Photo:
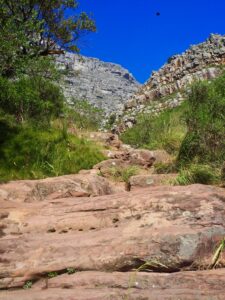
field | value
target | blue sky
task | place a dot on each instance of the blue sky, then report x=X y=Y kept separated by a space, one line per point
x=130 y=33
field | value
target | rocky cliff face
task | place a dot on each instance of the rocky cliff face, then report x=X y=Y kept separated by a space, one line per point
x=105 y=85
x=165 y=87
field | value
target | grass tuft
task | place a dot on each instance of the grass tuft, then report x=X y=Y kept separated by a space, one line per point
x=196 y=173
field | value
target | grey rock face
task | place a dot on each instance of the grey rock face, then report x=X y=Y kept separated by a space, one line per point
x=105 y=85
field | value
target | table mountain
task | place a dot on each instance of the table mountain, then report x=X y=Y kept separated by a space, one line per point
x=105 y=85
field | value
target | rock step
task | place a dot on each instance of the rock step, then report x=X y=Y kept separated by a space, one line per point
x=85 y=184
x=199 y=285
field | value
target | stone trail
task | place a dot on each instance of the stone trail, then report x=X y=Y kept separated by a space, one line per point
x=90 y=226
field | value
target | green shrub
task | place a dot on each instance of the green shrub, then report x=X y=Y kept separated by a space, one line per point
x=205 y=120
x=84 y=115
x=71 y=270
x=30 y=97
x=165 y=131
x=28 y=152
x=27 y=285
x=123 y=174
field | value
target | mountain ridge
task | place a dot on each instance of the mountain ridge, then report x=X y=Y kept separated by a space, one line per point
x=166 y=87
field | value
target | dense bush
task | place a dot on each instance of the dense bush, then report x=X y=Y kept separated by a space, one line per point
x=30 y=97
x=36 y=153
x=205 y=120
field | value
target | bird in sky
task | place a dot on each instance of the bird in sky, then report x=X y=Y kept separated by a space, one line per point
x=158 y=14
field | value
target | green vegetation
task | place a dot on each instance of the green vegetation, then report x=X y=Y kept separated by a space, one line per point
x=71 y=270
x=52 y=274
x=34 y=28
x=194 y=133
x=218 y=253
x=28 y=152
x=123 y=174
x=34 y=140
x=30 y=97
x=165 y=131
x=197 y=173
x=205 y=120
x=28 y=285
x=83 y=115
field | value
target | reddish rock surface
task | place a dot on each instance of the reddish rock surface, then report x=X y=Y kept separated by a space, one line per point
x=139 y=157
x=79 y=185
x=142 y=181
x=175 y=229
x=198 y=285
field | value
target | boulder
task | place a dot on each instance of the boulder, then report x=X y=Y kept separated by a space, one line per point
x=141 y=157
x=142 y=181
x=78 y=185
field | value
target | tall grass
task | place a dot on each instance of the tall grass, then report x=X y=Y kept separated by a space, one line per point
x=205 y=120
x=165 y=131
x=197 y=173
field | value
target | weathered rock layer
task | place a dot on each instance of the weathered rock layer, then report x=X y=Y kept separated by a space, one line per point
x=173 y=229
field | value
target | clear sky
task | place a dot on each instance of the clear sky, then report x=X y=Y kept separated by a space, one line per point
x=130 y=33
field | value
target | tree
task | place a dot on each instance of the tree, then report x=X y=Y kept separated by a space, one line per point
x=34 y=28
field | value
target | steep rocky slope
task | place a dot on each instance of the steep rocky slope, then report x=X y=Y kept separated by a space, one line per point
x=106 y=85
x=166 y=87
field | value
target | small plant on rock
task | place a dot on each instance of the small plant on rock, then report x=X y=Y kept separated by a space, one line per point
x=71 y=270
x=28 y=285
x=217 y=256
x=52 y=274
x=123 y=174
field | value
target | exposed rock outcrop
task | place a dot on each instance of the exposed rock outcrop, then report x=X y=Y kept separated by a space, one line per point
x=105 y=85
x=171 y=228
x=78 y=185
x=165 y=87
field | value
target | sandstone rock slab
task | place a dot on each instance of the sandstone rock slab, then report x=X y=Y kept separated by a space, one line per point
x=78 y=185
x=175 y=227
